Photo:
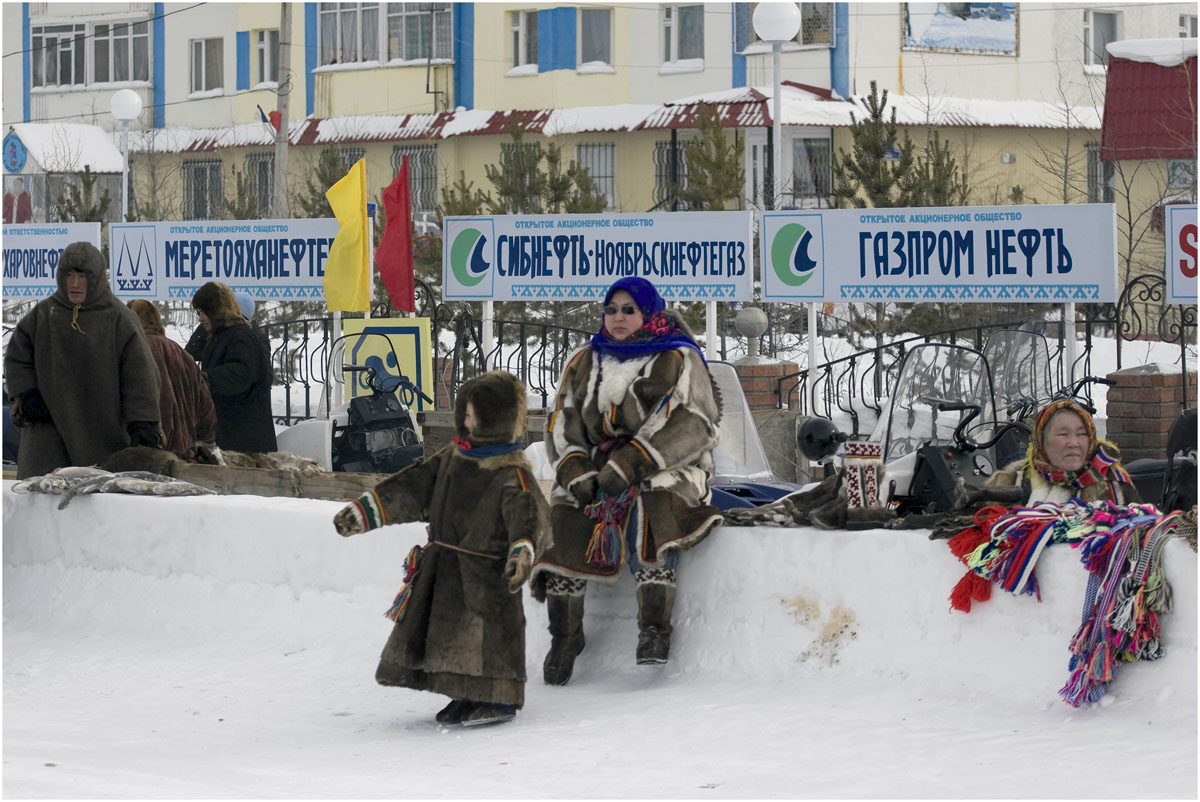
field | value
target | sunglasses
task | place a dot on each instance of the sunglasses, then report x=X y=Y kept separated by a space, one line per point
x=628 y=309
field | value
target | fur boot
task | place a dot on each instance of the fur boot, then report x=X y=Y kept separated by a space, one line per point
x=656 y=602
x=566 y=637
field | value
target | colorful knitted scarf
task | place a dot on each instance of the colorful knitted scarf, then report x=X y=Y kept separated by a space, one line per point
x=467 y=449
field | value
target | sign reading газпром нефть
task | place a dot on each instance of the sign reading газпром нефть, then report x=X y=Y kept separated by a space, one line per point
x=969 y=254
x=31 y=254
x=688 y=256
x=280 y=260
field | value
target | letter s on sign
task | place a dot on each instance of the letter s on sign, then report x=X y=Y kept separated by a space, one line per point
x=1187 y=244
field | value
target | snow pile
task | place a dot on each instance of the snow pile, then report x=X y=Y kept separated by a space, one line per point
x=225 y=646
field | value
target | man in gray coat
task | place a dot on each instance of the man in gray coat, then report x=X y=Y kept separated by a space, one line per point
x=80 y=374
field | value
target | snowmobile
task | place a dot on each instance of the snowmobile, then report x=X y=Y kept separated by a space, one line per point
x=364 y=421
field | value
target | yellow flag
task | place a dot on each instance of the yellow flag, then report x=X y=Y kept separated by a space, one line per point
x=347 y=271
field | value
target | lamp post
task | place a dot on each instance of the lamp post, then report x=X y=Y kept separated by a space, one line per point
x=778 y=23
x=126 y=106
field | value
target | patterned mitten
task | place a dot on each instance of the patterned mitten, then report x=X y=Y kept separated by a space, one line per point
x=361 y=515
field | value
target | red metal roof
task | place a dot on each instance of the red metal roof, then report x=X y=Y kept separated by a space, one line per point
x=1149 y=111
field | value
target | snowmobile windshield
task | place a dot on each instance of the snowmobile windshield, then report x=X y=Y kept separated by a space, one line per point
x=739 y=456
x=935 y=381
x=1021 y=374
x=346 y=375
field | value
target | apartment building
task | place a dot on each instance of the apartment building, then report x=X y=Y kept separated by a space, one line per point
x=1017 y=88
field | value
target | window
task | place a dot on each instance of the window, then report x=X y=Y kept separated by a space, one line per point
x=418 y=31
x=266 y=53
x=812 y=169
x=1099 y=28
x=663 y=184
x=1099 y=177
x=422 y=174
x=207 y=64
x=350 y=156
x=348 y=32
x=120 y=52
x=599 y=160
x=595 y=36
x=816 y=25
x=683 y=33
x=58 y=55
x=524 y=38
x=260 y=172
x=203 y=193
x=1187 y=26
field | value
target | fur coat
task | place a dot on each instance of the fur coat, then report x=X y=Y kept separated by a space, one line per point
x=238 y=369
x=92 y=366
x=463 y=631
x=664 y=410
x=1037 y=488
x=188 y=415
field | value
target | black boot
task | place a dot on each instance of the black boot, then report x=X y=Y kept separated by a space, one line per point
x=656 y=601
x=566 y=637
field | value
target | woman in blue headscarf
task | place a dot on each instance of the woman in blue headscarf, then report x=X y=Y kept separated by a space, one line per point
x=631 y=439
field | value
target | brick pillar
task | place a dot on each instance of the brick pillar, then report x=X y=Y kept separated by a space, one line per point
x=442 y=369
x=1141 y=408
x=760 y=384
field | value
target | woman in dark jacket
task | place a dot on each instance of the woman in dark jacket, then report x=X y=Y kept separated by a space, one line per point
x=237 y=371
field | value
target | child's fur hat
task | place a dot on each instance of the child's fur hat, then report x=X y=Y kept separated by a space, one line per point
x=498 y=399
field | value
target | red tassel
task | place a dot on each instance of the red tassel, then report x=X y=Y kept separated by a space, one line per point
x=967 y=541
x=972 y=587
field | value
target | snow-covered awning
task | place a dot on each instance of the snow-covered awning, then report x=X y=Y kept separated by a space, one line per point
x=68 y=148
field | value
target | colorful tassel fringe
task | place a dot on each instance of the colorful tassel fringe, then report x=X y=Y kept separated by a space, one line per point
x=607 y=545
x=400 y=604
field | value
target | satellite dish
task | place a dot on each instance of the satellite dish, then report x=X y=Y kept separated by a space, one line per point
x=819 y=439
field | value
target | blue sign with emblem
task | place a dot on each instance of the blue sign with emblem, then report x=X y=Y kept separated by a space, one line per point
x=14 y=153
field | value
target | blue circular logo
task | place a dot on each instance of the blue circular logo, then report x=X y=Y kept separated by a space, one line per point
x=14 y=153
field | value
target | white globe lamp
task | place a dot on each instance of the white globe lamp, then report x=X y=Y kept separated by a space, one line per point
x=125 y=105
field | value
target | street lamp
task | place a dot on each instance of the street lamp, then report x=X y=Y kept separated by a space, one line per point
x=778 y=23
x=126 y=106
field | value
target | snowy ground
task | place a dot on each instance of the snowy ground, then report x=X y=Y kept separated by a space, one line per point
x=224 y=647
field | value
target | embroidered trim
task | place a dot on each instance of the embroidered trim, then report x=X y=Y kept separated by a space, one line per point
x=559 y=585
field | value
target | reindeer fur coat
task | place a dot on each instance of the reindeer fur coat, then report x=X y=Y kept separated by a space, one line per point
x=664 y=411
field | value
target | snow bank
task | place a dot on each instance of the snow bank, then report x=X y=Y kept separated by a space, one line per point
x=764 y=602
x=152 y=644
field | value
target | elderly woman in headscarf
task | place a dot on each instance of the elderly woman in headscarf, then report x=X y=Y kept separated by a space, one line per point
x=189 y=420
x=1065 y=461
x=631 y=440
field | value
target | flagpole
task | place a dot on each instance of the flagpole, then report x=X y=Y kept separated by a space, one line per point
x=370 y=255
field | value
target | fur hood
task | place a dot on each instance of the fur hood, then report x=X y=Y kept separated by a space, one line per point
x=216 y=301
x=498 y=399
x=148 y=315
x=85 y=258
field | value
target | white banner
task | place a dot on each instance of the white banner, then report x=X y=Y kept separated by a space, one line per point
x=1181 y=253
x=970 y=254
x=279 y=260
x=688 y=256
x=31 y=252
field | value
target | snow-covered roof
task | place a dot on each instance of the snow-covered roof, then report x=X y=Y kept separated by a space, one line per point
x=742 y=107
x=1163 y=52
x=68 y=147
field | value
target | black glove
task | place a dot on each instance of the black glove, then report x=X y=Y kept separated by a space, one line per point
x=584 y=490
x=144 y=433
x=33 y=407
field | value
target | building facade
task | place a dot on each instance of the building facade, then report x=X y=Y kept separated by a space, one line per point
x=1016 y=88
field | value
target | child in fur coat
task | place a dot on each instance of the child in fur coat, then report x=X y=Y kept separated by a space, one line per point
x=460 y=622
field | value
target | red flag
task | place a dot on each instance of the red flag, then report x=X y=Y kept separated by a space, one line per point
x=394 y=257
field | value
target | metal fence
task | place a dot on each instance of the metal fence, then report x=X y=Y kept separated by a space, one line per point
x=537 y=352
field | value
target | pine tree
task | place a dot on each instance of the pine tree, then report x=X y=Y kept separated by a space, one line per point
x=79 y=204
x=715 y=157
x=244 y=205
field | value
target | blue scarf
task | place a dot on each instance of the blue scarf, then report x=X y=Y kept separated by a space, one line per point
x=466 y=449
x=642 y=343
